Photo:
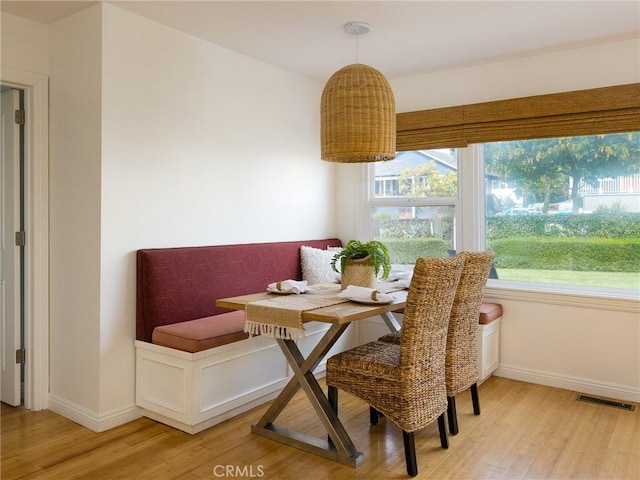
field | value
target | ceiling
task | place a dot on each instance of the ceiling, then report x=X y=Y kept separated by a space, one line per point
x=406 y=37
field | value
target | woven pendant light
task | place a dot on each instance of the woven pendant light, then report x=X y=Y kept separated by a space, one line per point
x=357 y=116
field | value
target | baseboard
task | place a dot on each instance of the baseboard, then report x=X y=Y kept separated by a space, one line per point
x=567 y=382
x=90 y=419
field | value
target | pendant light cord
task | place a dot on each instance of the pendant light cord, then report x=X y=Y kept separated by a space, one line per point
x=356 y=28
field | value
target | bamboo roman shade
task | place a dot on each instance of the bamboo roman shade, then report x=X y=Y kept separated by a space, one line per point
x=583 y=112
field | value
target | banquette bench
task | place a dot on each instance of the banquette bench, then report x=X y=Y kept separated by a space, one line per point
x=195 y=366
x=488 y=339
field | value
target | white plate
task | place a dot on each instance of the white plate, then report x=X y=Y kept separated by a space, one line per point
x=370 y=302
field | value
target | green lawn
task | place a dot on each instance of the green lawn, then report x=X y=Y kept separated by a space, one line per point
x=595 y=279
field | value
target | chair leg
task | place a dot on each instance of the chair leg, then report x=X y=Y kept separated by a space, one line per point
x=453 y=416
x=373 y=416
x=444 y=440
x=475 y=399
x=332 y=395
x=410 y=453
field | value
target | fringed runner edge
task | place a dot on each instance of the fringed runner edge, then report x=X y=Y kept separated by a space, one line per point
x=273 y=331
x=281 y=316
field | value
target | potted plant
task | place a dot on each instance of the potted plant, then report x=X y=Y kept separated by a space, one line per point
x=361 y=262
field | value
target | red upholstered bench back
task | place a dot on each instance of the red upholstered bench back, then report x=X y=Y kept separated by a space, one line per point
x=180 y=284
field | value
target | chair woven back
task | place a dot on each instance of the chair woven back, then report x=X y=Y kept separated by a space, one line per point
x=423 y=340
x=462 y=350
x=405 y=381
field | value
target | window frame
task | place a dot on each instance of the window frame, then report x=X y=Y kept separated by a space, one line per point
x=470 y=235
x=596 y=111
x=372 y=201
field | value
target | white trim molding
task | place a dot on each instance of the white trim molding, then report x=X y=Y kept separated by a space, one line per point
x=36 y=183
x=568 y=382
x=603 y=299
x=90 y=419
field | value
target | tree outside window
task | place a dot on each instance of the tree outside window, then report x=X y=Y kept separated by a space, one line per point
x=565 y=210
x=551 y=168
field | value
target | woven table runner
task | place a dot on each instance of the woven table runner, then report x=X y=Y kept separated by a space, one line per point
x=281 y=316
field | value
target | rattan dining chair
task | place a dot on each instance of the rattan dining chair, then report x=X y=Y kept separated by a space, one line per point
x=462 y=348
x=406 y=381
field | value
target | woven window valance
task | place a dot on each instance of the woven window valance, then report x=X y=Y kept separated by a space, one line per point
x=583 y=112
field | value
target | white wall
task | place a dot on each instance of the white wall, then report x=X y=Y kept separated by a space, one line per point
x=576 y=342
x=579 y=69
x=24 y=44
x=200 y=146
x=157 y=139
x=74 y=205
x=589 y=345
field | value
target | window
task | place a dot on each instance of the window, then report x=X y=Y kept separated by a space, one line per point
x=532 y=202
x=565 y=210
x=413 y=204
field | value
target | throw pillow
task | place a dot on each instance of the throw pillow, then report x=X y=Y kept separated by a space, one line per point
x=316 y=265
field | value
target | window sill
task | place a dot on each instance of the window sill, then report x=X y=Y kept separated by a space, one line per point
x=568 y=295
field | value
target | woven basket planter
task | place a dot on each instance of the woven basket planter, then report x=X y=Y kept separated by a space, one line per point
x=359 y=272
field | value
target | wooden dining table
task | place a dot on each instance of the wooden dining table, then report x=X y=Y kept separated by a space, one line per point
x=337 y=445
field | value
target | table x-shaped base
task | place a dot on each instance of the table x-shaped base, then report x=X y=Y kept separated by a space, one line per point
x=338 y=447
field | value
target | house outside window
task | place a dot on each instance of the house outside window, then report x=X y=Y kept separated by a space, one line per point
x=413 y=204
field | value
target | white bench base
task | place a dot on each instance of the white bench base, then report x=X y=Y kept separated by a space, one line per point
x=194 y=391
x=488 y=348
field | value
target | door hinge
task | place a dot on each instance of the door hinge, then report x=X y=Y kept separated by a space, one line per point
x=20 y=354
x=21 y=238
x=20 y=117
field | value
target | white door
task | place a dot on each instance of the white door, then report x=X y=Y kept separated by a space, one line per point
x=9 y=252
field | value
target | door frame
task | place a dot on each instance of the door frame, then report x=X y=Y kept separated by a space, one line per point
x=11 y=371
x=36 y=226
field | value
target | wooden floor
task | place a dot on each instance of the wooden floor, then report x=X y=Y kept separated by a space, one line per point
x=525 y=431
